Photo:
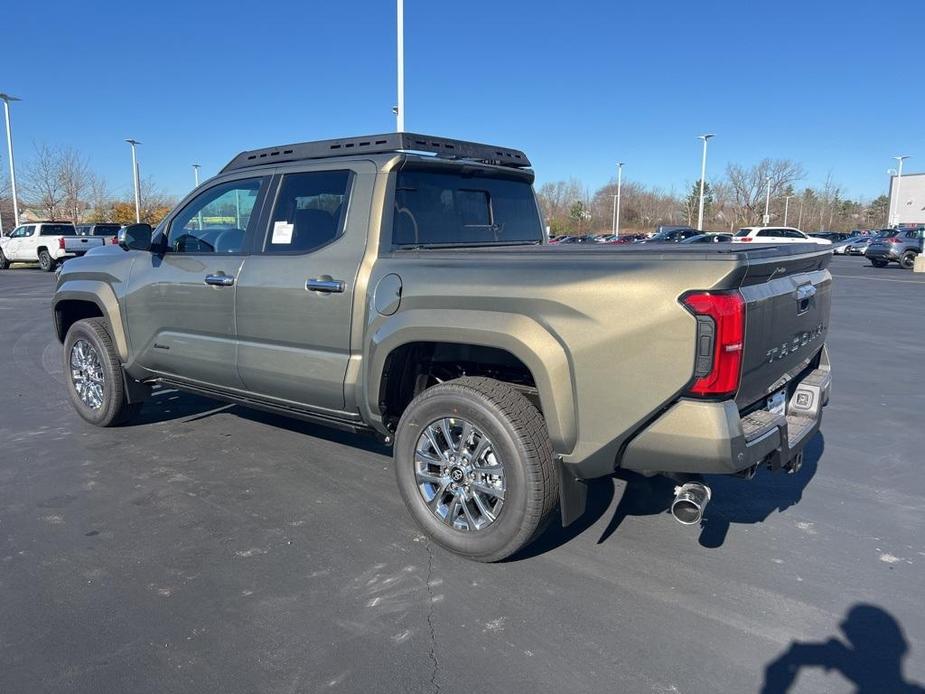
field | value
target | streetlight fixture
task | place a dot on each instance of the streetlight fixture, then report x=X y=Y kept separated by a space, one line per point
x=133 y=143
x=400 y=46
x=787 y=206
x=6 y=98
x=899 y=182
x=767 y=204
x=703 y=173
x=616 y=199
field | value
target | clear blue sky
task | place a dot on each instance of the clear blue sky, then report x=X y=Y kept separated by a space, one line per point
x=834 y=84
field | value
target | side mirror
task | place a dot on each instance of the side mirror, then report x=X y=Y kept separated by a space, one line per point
x=135 y=237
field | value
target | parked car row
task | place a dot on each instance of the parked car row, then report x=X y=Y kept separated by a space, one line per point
x=688 y=235
x=670 y=235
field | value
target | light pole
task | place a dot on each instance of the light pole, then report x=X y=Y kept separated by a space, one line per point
x=400 y=45
x=616 y=199
x=800 y=220
x=899 y=183
x=703 y=173
x=133 y=143
x=889 y=206
x=786 y=207
x=767 y=204
x=6 y=98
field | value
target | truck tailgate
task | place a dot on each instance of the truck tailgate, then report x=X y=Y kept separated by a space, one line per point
x=788 y=299
x=81 y=244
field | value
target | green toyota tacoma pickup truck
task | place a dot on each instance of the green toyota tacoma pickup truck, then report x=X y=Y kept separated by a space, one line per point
x=402 y=284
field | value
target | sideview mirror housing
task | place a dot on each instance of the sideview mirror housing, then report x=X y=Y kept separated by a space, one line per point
x=135 y=237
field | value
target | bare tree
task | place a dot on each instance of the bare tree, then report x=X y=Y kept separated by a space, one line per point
x=6 y=204
x=556 y=200
x=75 y=175
x=749 y=185
x=99 y=199
x=42 y=182
x=155 y=203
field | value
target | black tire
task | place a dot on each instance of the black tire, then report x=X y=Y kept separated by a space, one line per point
x=46 y=262
x=907 y=261
x=519 y=437
x=115 y=408
x=4 y=263
x=877 y=262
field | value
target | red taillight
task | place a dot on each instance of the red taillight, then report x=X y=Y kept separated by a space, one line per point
x=894 y=239
x=61 y=243
x=745 y=239
x=720 y=335
x=115 y=240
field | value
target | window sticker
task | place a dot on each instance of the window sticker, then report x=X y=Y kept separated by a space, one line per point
x=282 y=233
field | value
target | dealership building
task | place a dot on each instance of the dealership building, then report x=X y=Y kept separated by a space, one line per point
x=908 y=208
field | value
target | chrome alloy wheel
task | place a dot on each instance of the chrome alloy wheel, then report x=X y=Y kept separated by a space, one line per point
x=459 y=474
x=87 y=374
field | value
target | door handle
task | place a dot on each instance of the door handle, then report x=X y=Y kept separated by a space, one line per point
x=220 y=280
x=325 y=286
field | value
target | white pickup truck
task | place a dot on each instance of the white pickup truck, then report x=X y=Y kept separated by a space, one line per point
x=45 y=243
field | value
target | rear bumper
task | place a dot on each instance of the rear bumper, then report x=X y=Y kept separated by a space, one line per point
x=700 y=437
x=882 y=254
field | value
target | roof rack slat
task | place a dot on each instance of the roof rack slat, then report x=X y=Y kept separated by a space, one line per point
x=382 y=144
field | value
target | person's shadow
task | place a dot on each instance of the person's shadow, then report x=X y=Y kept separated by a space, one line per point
x=734 y=499
x=870 y=656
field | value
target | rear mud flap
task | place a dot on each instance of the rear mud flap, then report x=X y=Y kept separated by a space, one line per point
x=573 y=495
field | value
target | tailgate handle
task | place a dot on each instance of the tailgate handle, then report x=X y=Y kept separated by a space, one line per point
x=802 y=295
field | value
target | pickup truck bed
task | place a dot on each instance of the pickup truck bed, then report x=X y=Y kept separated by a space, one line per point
x=616 y=310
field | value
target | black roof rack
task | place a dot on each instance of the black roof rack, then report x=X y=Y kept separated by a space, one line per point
x=380 y=144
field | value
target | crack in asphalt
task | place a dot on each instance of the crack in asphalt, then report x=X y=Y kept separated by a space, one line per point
x=430 y=617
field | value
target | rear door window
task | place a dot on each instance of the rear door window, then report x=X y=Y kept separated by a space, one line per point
x=310 y=211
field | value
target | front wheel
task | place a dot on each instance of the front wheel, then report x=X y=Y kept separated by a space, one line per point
x=475 y=467
x=4 y=263
x=46 y=262
x=907 y=262
x=877 y=262
x=94 y=375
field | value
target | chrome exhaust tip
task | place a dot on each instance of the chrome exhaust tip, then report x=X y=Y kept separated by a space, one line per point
x=689 y=503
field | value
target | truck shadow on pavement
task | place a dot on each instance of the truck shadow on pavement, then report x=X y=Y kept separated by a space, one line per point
x=734 y=500
x=869 y=656
x=168 y=404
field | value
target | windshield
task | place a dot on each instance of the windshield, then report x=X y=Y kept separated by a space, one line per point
x=106 y=230
x=743 y=232
x=433 y=208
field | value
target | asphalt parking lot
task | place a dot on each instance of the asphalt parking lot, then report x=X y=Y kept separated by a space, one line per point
x=213 y=548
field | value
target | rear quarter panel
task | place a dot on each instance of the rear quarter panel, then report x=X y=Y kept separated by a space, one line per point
x=603 y=327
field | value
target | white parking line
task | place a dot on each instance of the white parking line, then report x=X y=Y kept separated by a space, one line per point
x=876 y=279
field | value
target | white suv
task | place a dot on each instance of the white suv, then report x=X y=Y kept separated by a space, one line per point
x=776 y=235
